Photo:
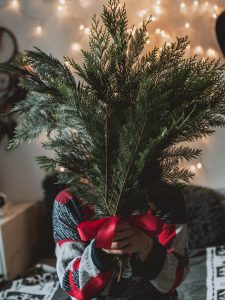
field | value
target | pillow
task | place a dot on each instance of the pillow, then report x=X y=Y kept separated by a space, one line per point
x=206 y=280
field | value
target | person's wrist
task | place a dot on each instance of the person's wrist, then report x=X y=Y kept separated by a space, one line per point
x=146 y=248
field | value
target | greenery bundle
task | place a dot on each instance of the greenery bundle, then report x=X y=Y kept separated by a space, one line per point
x=121 y=126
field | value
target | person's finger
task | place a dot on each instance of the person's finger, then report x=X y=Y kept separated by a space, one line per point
x=121 y=244
x=120 y=235
x=118 y=251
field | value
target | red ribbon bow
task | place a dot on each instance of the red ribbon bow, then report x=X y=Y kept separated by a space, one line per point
x=103 y=230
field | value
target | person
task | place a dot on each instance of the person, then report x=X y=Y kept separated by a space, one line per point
x=85 y=272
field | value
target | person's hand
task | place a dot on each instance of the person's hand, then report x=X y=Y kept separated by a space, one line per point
x=130 y=239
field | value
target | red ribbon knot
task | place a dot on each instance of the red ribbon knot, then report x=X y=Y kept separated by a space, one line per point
x=103 y=230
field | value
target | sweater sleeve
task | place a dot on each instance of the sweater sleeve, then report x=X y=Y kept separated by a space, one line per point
x=83 y=270
x=167 y=265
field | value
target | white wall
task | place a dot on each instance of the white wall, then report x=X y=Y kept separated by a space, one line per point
x=20 y=177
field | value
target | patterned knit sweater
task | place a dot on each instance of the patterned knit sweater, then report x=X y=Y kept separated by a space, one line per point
x=86 y=272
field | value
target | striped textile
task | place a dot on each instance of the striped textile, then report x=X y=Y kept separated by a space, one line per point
x=86 y=272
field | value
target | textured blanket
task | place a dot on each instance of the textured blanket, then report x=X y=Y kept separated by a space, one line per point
x=41 y=283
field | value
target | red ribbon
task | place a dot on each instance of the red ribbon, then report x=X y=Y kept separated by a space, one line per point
x=103 y=230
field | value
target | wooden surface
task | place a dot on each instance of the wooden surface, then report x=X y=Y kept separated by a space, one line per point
x=18 y=237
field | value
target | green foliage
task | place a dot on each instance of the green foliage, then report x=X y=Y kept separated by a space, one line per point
x=120 y=126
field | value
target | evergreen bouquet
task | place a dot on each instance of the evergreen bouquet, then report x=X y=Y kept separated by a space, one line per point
x=121 y=126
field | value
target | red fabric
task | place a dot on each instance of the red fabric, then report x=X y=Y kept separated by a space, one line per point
x=76 y=264
x=92 y=287
x=87 y=210
x=167 y=235
x=104 y=229
x=63 y=197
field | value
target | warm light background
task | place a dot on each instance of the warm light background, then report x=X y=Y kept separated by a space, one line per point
x=61 y=27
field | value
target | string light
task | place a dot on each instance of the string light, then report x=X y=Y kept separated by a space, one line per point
x=193 y=168
x=214 y=15
x=75 y=46
x=196 y=3
x=199 y=165
x=62 y=169
x=81 y=27
x=157 y=9
x=87 y=30
x=198 y=50
x=61 y=6
x=38 y=30
x=158 y=30
x=15 y=4
x=187 y=25
x=142 y=12
x=211 y=52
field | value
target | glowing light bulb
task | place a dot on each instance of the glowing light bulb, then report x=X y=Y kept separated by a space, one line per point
x=182 y=5
x=148 y=42
x=214 y=15
x=196 y=3
x=199 y=165
x=188 y=47
x=158 y=2
x=61 y=8
x=193 y=168
x=153 y=18
x=38 y=30
x=158 y=30
x=62 y=169
x=187 y=25
x=75 y=46
x=87 y=30
x=15 y=4
x=163 y=34
x=142 y=12
x=81 y=27
x=157 y=9
x=211 y=52
x=215 y=7
x=206 y=3
x=198 y=50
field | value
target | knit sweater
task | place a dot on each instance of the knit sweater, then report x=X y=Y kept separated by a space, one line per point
x=86 y=272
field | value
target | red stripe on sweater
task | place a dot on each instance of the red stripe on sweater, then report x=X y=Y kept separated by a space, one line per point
x=179 y=271
x=63 y=197
x=76 y=264
x=178 y=278
x=60 y=242
x=167 y=235
x=91 y=288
